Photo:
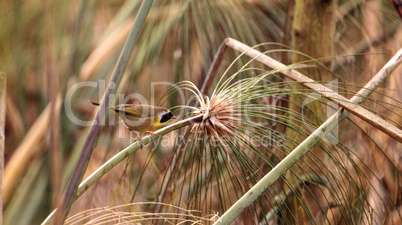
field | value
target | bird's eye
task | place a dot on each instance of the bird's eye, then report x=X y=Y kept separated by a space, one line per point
x=166 y=117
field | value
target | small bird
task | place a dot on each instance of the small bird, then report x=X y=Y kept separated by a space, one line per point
x=141 y=118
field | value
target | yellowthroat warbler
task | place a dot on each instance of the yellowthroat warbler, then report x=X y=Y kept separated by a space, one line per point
x=141 y=118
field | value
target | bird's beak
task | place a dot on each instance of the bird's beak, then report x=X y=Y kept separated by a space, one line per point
x=174 y=117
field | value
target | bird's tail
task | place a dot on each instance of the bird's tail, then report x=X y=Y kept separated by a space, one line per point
x=94 y=102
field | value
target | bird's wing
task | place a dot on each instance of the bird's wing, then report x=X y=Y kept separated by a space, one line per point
x=129 y=109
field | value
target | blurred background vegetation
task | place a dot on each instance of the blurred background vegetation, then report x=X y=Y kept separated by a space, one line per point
x=48 y=46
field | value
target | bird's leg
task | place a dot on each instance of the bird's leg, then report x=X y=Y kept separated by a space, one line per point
x=139 y=138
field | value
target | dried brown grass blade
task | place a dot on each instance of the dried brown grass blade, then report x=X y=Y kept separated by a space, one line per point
x=105 y=49
x=349 y=105
x=3 y=80
x=29 y=148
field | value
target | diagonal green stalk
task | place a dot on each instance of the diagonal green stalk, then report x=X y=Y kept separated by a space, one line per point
x=249 y=197
x=116 y=159
x=91 y=179
x=102 y=112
